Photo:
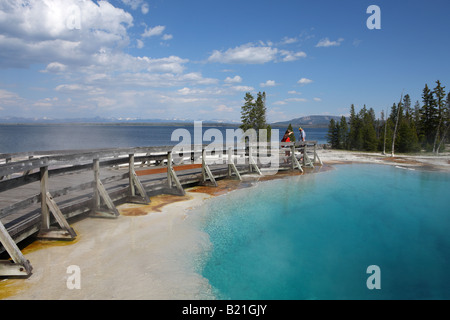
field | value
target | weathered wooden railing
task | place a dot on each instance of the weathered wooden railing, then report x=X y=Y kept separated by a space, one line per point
x=30 y=182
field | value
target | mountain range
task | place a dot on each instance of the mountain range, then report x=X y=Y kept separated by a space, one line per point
x=308 y=121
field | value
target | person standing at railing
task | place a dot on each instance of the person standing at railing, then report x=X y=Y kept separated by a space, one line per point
x=302 y=134
x=286 y=138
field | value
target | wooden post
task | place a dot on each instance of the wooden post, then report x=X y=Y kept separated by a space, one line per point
x=295 y=162
x=232 y=166
x=249 y=159
x=252 y=162
x=172 y=177
x=45 y=222
x=316 y=156
x=306 y=160
x=19 y=266
x=135 y=183
x=100 y=194
x=48 y=205
x=206 y=171
x=131 y=171
x=169 y=168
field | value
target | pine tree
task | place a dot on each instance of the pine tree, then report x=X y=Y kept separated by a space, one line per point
x=253 y=113
x=354 y=135
x=428 y=118
x=439 y=92
x=369 y=136
x=292 y=135
x=333 y=134
x=447 y=123
x=343 y=133
x=247 y=112
x=260 y=112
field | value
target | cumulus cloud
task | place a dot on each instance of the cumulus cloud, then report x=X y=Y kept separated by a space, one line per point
x=292 y=56
x=327 y=43
x=55 y=67
x=223 y=108
x=286 y=101
x=304 y=81
x=66 y=31
x=155 y=31
x=251 y=53
x=245 y=54
x=235 y=79
x=144 y=8
x=268 y=83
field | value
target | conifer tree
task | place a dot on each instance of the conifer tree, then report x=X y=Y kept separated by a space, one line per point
x=355 y=138
x=247 y=112
x=447 y=122
x=367 y=130
x=253 y=112
x=260 y=112
x=292 y=135
x=439 y=93
x=342 y=131
x=428 y=117
x=333 y=134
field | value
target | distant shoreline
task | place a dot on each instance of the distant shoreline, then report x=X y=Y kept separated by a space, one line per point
x=150 y=124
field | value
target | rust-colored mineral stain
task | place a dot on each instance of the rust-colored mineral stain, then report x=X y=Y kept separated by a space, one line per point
x=223 y=187
x=10 y=286
x=402 y=160
x=44 y=244
x=156 y=205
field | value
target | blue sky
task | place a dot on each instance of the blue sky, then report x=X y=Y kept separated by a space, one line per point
x=196 y=59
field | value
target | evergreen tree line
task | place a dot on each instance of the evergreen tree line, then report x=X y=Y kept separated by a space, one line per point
x=424 y=126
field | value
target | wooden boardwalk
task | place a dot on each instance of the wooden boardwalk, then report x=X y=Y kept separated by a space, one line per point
x=40 y=193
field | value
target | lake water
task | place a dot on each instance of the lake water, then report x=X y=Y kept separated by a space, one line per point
x=314 y=236
x=23 y=138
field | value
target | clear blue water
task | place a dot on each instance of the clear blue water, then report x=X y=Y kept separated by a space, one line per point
x=313 y=236
x=23 y=138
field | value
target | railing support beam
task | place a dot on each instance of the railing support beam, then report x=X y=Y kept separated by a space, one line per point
x=48 y=205
x=135 y=183
x=100 y=194
x=19 y=265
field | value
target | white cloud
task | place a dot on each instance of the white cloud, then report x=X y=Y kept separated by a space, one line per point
x=155 y=31
x=255 y=54
x=304 y=81
x=172 y=64
x=294 y=92
x=135 y=4
x=223 y=108
x=167 y=37
x=235 y=79
x=287 y=40
x=317 y=99
x=144 y=8
x=7 y=95
x=245 y=54
x=139 y=44
x=55 y=67
x=268 y=83
x=292 y=56
x=327 y=43
x=243 y=88
x=286 y=101
x=66 y=31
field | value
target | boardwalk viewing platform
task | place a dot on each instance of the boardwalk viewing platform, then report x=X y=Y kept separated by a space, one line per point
x=40 y=192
